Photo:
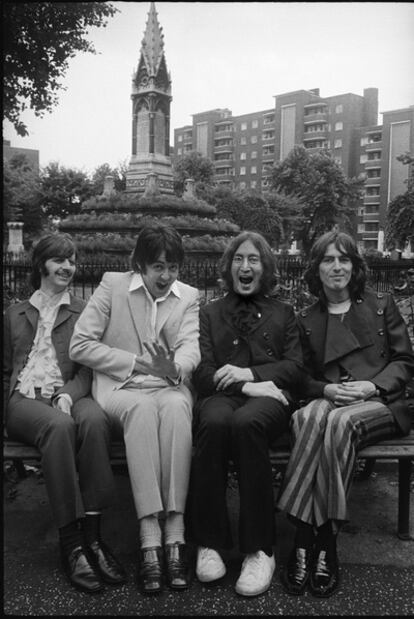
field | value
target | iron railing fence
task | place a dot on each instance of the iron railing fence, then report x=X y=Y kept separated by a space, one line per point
x=383 y=275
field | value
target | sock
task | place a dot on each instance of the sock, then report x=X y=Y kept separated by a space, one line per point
x=304 y=536
x=92 y=526
x=326 y=539
x=174 y=528
x=70 y=536
x=149 y=531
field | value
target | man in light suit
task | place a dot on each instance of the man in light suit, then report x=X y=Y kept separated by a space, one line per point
x=139 y=333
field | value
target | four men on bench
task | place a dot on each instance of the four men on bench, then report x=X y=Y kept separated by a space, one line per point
x=139 y=334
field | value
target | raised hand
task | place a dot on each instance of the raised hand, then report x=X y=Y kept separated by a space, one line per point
x=162 y=361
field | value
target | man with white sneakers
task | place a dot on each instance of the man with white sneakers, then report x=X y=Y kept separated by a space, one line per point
x=250 y=357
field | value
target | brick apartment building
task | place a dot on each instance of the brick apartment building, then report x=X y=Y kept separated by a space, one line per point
x=244 y=148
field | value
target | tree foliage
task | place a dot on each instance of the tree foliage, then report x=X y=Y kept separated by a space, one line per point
x=327 y=196
x=250 y=211
x=22 y=195
x=104 y=170
x=64 y=190
x=38 y=40
x=200 y=169
x=399 y=229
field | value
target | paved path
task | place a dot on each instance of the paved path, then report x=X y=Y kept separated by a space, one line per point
x=377 y=569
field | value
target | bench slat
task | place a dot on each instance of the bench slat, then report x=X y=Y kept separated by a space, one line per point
x=389 y=449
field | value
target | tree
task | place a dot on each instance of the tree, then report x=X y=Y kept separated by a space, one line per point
x=38 y=40
x=200 y=169
x=399 y=229
x=104 y=170
x=64 y=190
x=22 y=196
x=250 y=211
x=327 y=196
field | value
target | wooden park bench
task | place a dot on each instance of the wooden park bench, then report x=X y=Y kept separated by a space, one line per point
x=400 y=449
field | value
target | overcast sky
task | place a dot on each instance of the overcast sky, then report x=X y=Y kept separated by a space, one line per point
x=224 y=55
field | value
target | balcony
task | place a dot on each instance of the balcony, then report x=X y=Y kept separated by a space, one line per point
x=222 y=131
x=310 y=119
x=371 y=200
x=224 y=163
x=368 y=217
x=315 y=135
x=372 y=146
x=373 y=182
x=225 y=148
x=268 y=136
x=373 y=163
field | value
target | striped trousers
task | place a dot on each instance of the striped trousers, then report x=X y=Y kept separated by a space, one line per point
x=321 y=466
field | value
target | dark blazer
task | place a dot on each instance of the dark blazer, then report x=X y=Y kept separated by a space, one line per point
x=20 y=325
x=373 y=344
x=271 y=350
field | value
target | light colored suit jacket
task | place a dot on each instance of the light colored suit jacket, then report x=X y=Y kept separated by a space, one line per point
x=114 y=325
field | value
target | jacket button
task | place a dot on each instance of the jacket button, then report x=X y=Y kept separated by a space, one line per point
x=303 y=314
x=269 y=352
x=259 y=315
x=235 y=342
x=382 y=353
x=308 y=331
x=381 y=332
x=379 y=295
x=380 y=312
x=359 y=300
x=266 y=336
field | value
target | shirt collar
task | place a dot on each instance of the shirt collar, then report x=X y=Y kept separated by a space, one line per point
x=137 y=282
x=40 y=300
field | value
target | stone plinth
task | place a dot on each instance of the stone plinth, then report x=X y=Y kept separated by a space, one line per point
x=15 y=245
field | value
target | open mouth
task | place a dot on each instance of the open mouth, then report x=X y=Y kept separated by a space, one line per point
x=245 y=280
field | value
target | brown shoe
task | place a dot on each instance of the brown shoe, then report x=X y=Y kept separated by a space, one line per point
x=178 y=576
x=150 y=570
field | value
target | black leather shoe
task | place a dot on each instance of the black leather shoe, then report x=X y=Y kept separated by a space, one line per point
x=150 y=569
x=177 y=566
x=80 y=571
x=296 y=573
x=105 y=563
x=324 y=576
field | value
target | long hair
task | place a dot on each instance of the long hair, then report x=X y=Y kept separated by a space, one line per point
x=152 y=241
x=49 y=246
x=268 y=279
x=346 y=245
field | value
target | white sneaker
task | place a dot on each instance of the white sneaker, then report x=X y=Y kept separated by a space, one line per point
x=256 y=574
x=209 y=565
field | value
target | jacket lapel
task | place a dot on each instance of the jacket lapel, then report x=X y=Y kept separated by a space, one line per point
x=164 y=312
x=139 y=315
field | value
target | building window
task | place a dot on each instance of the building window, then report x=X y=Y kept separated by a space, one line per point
x=255 y=124
x=339 y=109
x=253 y=139
x=253 y=184
x=180 y=138
x=243 y=141
x=242 y=185
x=254 y=154
x=180 y=151
x=268 y=150
x=242 y=171
x=253 y=169
x=371 y=226
x=338 y=160
x=364 y=141
x=243 y=127
x=243 y=156
x=339 y=126
x=338 y=144
x=363 y=159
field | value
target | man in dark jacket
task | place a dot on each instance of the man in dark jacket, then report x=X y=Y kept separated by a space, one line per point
x=48 y=405
x=250 y=360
